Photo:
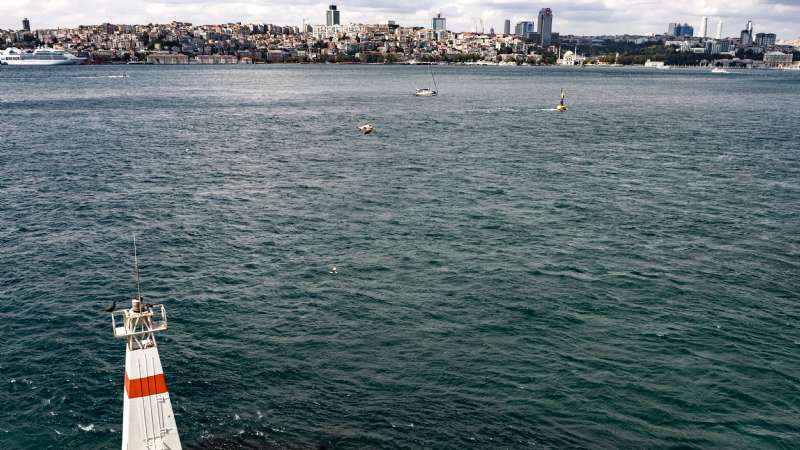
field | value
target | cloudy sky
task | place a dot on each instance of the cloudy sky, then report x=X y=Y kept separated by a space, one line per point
x=571 y=16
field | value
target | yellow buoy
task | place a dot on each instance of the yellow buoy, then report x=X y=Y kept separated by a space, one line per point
x=561 y=106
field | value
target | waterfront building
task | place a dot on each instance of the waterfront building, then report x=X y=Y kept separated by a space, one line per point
x=714 y=47
x=655 y=64
x=777 y=59
x=570 y=58
x=332 y=16
x=26 y=24
x=704 y=27
x=167 y=58
x=545 y=26
x=507 y=27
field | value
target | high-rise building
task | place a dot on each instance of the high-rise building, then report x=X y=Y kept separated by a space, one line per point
x=765 y=39
x=676 y=29
x=523 y=29
x=745 y=39
x=439 y=23
x=719 y=28
x=672 y=29
x=704 y=27
x=332 y=16
x=26 y=24
x=545 y=25
x=507 y=27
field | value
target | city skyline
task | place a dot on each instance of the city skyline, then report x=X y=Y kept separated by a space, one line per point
x=590 y=18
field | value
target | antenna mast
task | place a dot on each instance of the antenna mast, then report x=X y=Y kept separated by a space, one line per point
x=136 y=268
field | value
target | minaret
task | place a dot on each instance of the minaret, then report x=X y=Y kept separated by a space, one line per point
x=147 y=419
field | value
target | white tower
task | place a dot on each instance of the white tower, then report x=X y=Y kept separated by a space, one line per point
x=704 y=27
x=719 y=28
x=147 y=419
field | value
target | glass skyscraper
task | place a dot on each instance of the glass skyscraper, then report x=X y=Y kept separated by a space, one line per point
x=439 y=23
x=545 y=25
x=332 y=16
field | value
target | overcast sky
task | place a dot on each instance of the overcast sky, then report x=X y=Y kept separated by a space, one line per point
x=570 y=16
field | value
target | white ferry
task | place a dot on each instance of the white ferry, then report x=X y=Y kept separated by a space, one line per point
x=39 y=57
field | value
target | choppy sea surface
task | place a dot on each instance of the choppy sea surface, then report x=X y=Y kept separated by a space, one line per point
x=623 y=275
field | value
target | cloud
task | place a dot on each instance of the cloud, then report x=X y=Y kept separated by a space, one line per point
x=570 y=16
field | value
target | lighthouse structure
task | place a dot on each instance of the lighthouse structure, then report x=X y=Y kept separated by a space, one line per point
x=148 y=422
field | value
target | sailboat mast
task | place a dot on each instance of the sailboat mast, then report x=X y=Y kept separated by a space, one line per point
x=434 y=78
x=136 y=268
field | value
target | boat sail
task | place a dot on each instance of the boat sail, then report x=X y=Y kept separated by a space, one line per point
x=427 y=92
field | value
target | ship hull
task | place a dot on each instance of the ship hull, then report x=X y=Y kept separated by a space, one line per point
x=43 y=62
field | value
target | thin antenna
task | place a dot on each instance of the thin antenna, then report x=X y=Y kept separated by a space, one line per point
x=136 y=268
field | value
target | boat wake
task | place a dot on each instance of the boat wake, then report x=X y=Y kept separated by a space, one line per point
x=101 y=76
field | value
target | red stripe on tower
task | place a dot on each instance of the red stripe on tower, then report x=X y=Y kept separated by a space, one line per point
x=143 y=387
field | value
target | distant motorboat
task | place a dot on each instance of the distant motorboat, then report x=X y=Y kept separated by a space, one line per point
x=719 y=70
x=427 y=92
x=366 y=129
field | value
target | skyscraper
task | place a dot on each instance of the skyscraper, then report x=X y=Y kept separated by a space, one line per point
x=523 y=29
x=672 y=29
x=704 y=27
x=332 y=16
x=545 y=25
x=745 y=39
x=507 y=27
x=719 y=28
x=678 y=30
x=26 y=24
x=439 y=23
x=765 y=39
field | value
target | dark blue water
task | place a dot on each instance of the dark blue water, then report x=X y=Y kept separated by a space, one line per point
x=624 y=275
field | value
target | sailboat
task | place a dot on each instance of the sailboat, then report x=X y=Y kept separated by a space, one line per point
x=561 y=106
x=427 y=92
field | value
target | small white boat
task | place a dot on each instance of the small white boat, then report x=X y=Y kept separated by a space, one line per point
x=719 y=70
x=427 y=92
x=366 y=129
